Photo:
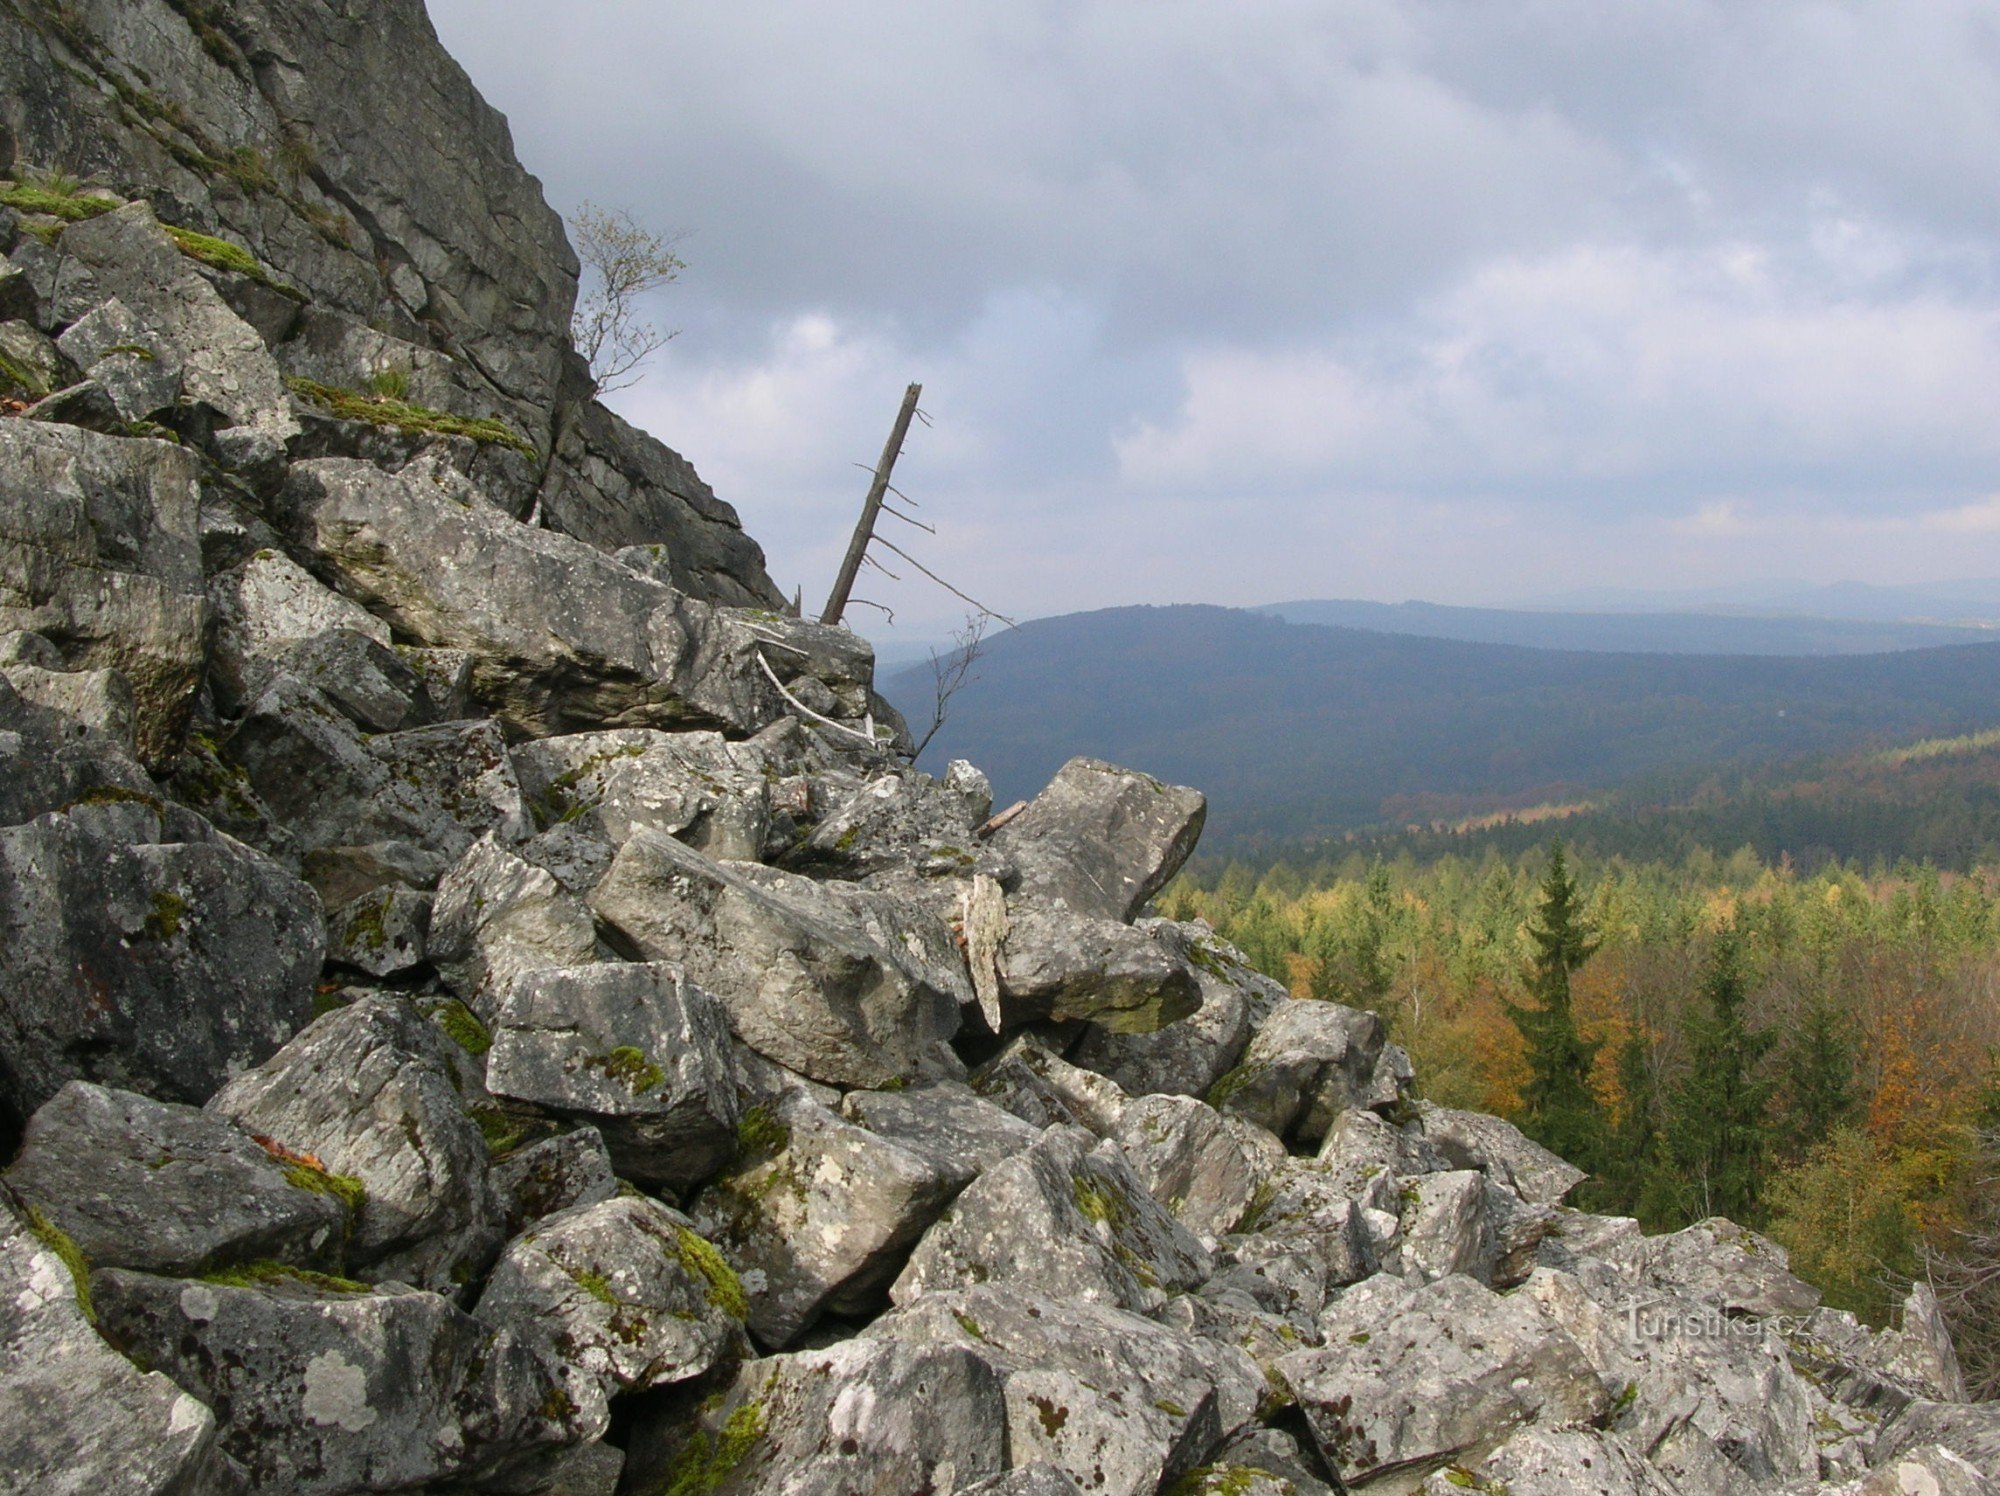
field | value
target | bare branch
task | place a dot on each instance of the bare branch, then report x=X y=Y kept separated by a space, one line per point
x=984 y=610
x=951 y=673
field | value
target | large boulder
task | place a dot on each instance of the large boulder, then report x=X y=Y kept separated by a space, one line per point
x=621 y=1296
x=947 y=1122
x=564 y=638
x=170 y=1189
x=1119 y=1403
x=1506 y=1155
x=1411 y=1377
x=327 y=1389
x=77 y=1418
x=1210 y=1171
x=843 y=986
x=1066 y=1218
x=1717 y=1262
x=1101 y=839
x=48 y=759
x=1537 y=1459
x=98 y=555
x=369 y=1093
x=1309 y=1062
x=1188 y=1056
x=818 y=1215
x=498 y=918
x=1058 y=965
x=161 y=967
x=864 y=1415
x=635 y=1049
x=710 y=793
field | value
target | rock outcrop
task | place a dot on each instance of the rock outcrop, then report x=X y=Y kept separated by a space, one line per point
x=464 y=1027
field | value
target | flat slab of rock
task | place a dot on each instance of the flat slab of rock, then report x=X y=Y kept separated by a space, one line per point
x=818 y=1215
x=1580 y=1460
x=622 y=1295
x=1103 y=839
x=1717 y=1262
x=332 y=1391
x=1410 y=1376
x=948 y=1122
x=635 y=1049
x=851 y=990
x=1207 y=1169
x=367 y=1090
x=77 y=1418
x=169 y=1189
x=1118 y=1403
x=1065 y=1218
x=564 y=638
x=159 y=967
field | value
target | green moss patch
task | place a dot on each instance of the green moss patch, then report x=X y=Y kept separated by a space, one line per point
x=345 y=1188
x=54 y=201
x=220 y=254
x=759 y=1135
x=725 y=1289
x=383 y=410
x=707 y=1460
x=267 y=1274
x=164 y=922
x=60 y=1242
x=629 y=1066
x=462 y=1026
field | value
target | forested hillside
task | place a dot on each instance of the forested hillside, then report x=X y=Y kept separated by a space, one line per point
x=1297 y=730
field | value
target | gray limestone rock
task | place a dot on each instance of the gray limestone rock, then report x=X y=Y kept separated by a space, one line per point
x=157 y=967
x=898 y=819
x=1304 y=1210
x=570 y=1169
x=1412 y=1376
x=1584 y=1461
x=1472 y=1140
x=76 y=1418
x=848 y=988
x=1717 y=1262
x=620 y=1296
x=100 y=702
x=268 y=602
x=440 y=787
x=368 y=1091
x=1191 y=1054
x=330 y=1390
x=1066 y=1218
x=1969 y=1430
x=1207 y=1169
x=98 y=555
x=49 y=760
x=1059 y=965
x=637 y=1050
x=169 y=1189
x=1030 y=1078
x=818 y=1215
x=563 y=637
x=1117 y=1402
x=948 y=1122
x=223 y=363
x=1727 y=1380
x=1102 y=839
x=498 y=918
x=696 y=786
x=381 y=933
x=139 y=371
x=1309 y=1062
x=861 y=1416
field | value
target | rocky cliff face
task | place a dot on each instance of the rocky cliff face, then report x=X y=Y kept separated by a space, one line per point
x=485 y=1006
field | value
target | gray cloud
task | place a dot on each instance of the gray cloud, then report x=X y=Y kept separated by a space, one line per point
x=1228 y=301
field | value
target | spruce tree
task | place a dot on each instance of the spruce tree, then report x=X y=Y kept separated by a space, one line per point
x=1559 y=1109
x=1718 y=1113
x=1819 y=1075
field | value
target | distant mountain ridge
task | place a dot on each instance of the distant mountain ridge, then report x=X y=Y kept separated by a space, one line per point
x=1707 y=633
x=1305 y=729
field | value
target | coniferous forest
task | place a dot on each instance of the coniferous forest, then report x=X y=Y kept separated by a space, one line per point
x=1813 y=1054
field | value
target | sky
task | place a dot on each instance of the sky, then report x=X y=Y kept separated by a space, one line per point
x=1237 y=301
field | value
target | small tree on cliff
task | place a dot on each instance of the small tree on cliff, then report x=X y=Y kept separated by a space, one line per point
x=1559 y=1109
x=621 y=261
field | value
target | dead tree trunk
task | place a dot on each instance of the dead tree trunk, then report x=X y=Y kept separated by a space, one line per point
x=864 y=530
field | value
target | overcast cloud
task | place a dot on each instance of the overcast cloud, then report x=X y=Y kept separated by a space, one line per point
x=1245 y=300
